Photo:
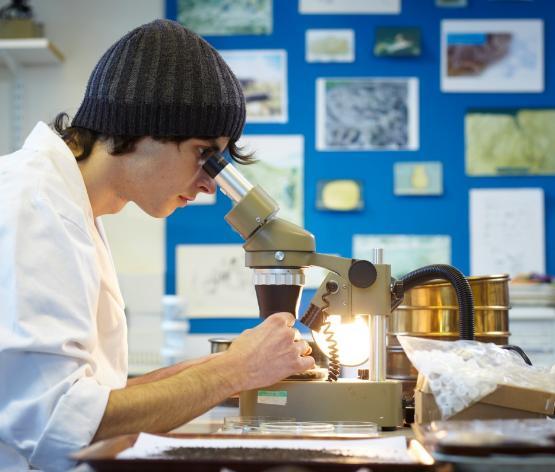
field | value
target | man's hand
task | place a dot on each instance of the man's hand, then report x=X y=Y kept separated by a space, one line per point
x=258 y=357
x=269 y=352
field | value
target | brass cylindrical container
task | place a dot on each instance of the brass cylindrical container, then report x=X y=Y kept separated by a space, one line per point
x=431 y=311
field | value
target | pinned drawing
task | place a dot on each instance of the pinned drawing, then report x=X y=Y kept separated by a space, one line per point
x=263 y=76
x=404 y=252
x=366 y=114
x=510 y=142
x=214 y=280
x=339 y=195
x=234 y=17
x=418 y=178
x=279 y=171
x=350 y=7
x=330 y=45
x=492 y=56
x=395 y=41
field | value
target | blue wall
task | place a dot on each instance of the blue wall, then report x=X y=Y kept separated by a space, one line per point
x=441 y=136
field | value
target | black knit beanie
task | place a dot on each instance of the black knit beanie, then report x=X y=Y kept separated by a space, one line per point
x=162 y=80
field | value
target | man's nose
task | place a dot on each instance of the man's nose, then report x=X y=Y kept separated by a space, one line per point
x=206 y=183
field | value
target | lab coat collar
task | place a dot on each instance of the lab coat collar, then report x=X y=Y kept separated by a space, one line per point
x=44 y=139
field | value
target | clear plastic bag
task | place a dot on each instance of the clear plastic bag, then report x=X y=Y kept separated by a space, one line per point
x=460 y=373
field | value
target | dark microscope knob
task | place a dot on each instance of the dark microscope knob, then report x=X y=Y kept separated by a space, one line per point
x=362 y=274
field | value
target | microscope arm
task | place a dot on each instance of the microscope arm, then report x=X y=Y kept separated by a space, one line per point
x=280 y=250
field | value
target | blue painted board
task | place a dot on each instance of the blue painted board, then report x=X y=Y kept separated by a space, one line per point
x=441 y=136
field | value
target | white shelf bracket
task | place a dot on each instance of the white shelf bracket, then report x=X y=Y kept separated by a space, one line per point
x=17 y=100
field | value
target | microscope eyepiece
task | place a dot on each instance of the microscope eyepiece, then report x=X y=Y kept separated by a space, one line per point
x=230 y=180
x=215 y=165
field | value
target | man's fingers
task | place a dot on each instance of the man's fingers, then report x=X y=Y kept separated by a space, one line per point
x=303 y=347
x=306 y=362
x=288 y=318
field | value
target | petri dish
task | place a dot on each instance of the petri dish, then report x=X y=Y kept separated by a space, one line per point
x=296 y=428
x=355 y=428
x=248 y=424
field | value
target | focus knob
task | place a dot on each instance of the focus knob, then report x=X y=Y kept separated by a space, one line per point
x=362 y=274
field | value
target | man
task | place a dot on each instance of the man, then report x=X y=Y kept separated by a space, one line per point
x=159 y=102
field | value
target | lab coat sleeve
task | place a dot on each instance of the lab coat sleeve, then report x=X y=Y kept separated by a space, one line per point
x=50 y=402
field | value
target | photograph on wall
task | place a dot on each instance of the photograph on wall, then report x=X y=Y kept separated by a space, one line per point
x=510 y=142
x=452 y=3
x=418 y=178
x=367 y=114
x=349 y=7
x=263 y=76
x=234 y=17
x=279 y=171
x=214 y=282
x=492 y=56
x=339 y=195
x=397 y=41
x=404 y=252
x=330 y=45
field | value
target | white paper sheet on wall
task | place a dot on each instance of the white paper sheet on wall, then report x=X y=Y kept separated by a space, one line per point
x=213 y=280
x=350 y=7
x=507 y=231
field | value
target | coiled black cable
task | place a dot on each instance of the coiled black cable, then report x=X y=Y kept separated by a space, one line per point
x=334 y=366
x=462 y=288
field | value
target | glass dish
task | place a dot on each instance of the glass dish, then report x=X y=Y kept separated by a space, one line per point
x=296 y=428
x=355 y=428
x=248 y=424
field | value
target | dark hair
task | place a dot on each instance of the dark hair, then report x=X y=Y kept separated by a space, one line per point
x=83 y=139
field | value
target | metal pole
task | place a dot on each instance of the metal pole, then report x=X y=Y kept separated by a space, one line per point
x=377 y=325
x=376 y=360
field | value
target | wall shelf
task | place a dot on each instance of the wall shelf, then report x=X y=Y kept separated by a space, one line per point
x=30 y=51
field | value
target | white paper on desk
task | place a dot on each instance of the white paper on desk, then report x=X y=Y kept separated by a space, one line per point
x=392 y=449
x=507 y=231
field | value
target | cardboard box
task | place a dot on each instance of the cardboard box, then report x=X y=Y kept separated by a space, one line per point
x=504 y=402
x=20 y=28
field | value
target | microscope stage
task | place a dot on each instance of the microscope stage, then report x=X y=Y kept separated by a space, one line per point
x=319 y=400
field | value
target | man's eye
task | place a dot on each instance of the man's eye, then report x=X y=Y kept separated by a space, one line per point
x=204 y=154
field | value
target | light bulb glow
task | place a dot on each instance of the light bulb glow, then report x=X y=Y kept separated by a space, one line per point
x=353 y=340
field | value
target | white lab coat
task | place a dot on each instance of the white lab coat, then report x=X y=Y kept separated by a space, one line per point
x=63 y=335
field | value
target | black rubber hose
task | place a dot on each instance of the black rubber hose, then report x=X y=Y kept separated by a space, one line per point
x=519 y=351
x=462 y=288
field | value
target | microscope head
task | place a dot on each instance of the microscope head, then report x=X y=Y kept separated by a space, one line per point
x=272 y=245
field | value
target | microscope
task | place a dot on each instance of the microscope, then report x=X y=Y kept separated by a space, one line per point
x=347 y=315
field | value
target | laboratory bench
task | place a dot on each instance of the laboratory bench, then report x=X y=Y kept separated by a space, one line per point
x=103 y=458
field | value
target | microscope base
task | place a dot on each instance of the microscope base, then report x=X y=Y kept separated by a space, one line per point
x=319 y=400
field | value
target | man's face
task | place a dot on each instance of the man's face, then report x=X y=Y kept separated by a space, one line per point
x=164 y=176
